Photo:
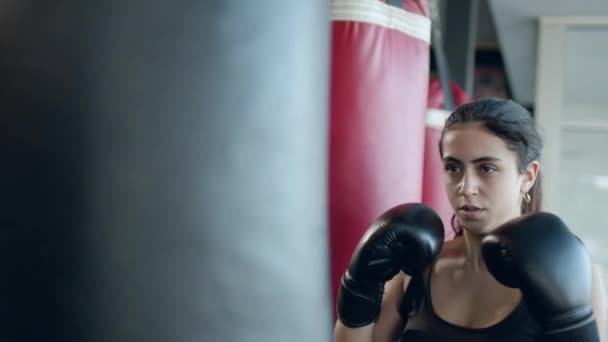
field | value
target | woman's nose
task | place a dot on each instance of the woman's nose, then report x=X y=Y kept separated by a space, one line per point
x=469 y=184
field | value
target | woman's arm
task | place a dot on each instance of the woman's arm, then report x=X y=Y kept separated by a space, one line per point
x=388 y=325
x=599 y=301
x=343 y=333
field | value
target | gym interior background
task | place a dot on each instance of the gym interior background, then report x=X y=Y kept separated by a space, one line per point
x=548 y=56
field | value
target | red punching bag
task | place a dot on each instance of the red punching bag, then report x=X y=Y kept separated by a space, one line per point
x=379 y=84
x=433 y=192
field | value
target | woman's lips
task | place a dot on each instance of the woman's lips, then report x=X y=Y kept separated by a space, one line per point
x=470 y=211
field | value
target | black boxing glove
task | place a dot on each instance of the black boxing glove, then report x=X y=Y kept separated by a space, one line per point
x=405 y=238
x=538 y=254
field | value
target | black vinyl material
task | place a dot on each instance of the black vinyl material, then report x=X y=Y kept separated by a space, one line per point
x=163 y=171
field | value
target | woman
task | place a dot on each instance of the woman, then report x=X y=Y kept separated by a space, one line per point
x=491 y=151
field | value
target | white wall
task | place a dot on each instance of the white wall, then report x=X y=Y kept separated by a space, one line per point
x=572 y=112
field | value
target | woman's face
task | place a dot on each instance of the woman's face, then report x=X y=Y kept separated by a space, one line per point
x=481 y=177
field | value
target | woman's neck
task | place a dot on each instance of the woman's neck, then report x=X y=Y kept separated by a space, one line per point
x=472 y=250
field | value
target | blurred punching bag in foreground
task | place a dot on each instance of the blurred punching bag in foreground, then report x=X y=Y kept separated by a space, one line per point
x=164 y=171
x=379 y=82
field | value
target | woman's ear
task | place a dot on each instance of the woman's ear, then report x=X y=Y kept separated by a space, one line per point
x=530 y=175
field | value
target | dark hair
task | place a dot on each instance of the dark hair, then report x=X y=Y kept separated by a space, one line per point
x=515 y=126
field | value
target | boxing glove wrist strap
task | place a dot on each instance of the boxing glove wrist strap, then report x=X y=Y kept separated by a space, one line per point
x=576 y=325
x=358 y=305
x=582 y=333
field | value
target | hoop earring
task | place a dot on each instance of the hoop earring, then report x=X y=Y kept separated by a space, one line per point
x=526 y=197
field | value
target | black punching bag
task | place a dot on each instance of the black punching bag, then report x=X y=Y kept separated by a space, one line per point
x=163 y=173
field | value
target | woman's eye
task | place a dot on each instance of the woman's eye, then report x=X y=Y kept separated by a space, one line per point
x=451 y=168
x=488 y=169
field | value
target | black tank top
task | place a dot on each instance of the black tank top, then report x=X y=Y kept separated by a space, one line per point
x=423 y=324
